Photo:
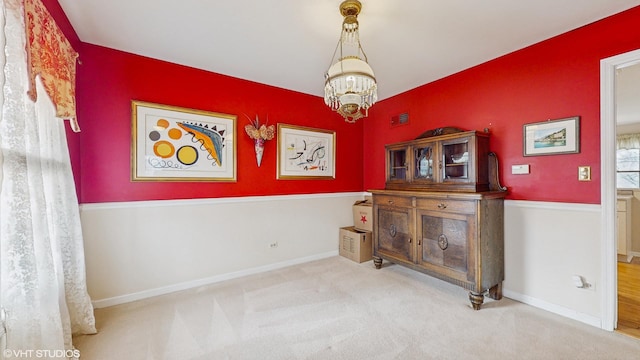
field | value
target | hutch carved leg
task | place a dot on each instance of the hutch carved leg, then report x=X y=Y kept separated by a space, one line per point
x=496 y=291
x=377 y=261
x=476 y=300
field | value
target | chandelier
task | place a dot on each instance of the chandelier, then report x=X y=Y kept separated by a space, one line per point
x=350 y=85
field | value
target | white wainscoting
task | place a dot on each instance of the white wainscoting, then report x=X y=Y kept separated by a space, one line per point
x=135 y=250
x=545 y=245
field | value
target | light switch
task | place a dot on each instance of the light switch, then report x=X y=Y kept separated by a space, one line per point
x=519 y=169
x=584 y=173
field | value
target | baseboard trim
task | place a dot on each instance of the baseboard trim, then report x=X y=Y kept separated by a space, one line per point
x=123 y=299
x=553 y=308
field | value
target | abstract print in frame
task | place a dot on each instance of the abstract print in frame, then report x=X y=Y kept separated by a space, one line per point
x=305 y=153
x=171 y=143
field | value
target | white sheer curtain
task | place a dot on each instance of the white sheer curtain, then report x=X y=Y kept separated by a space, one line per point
x=42 y=273
x=628 y=141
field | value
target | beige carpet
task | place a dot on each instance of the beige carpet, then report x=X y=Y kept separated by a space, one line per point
x=337 y=309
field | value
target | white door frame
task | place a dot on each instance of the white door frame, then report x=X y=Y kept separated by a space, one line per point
x=608 y=67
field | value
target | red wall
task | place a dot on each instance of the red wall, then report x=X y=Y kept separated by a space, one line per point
x=553 y=79
x=107 y=82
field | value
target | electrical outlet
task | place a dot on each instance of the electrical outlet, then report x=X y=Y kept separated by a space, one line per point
x=273 y=245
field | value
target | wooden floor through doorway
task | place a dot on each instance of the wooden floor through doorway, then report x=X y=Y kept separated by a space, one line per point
x=629 y=297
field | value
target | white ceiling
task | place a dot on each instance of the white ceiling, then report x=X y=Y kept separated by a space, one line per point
x=289 y=43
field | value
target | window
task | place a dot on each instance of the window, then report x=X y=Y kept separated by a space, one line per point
x=628 y=161
x=628 y=168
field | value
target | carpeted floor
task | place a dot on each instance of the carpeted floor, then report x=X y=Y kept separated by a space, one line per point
x=337 y=309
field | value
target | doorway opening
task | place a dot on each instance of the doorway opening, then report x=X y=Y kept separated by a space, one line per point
x=608 y=70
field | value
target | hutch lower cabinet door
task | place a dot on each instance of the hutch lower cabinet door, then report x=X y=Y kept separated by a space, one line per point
x=395 y=219
x=444 y=244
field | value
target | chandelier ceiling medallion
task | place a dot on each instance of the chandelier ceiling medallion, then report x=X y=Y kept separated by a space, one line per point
x=350 y=85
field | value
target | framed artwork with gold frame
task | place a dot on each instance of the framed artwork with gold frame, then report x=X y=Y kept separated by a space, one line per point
x=306 y=153
x=171 y=143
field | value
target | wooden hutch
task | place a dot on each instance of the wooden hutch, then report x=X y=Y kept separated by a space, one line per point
x=442 y=211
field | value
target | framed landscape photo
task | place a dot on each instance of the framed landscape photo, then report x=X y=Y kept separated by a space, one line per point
x=305 y=153
x=561 y=136
x=170 y=143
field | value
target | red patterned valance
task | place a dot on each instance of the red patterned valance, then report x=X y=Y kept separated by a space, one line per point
x=51 y=56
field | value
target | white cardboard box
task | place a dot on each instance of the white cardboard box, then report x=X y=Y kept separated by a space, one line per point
x=363 y=215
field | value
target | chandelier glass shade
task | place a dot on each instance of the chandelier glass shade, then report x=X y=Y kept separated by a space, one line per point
x=350 y=84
